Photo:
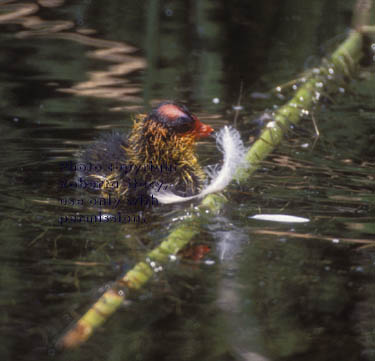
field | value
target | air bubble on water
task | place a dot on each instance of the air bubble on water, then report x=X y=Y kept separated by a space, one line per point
x=294 y=87
x=317 y=95
x=172 y=257
x=305 y=112
x=305 y=145
x=342 y=90
x=271 y=124
x=301 y=99
x=121 y=293
x=335 y=240
x=216 y=100
x=209 y=262
x=237 y=107
x=331 y=71
x=316 y=71
x=158 y=269
x=278 y=89
x=319 y=85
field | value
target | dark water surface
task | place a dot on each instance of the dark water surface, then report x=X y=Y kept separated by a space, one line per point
x=72 y=70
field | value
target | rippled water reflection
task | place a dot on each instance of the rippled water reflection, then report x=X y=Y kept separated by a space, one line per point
x=266 y=290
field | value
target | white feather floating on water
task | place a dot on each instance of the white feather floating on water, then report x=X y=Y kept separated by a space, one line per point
x=229 y=142
x=282 y=218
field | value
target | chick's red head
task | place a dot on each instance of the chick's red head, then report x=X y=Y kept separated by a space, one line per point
x=177 y=119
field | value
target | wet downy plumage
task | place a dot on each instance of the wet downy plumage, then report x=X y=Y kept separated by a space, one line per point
x=159 y=153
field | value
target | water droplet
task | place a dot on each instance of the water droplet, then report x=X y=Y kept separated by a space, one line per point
x=209 y=262
x=271 y=124
x=216 y=100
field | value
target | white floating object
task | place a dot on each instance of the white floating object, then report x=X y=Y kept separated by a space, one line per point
x=229 y=142
x=282 y=218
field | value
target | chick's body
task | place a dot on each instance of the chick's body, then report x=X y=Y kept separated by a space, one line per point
x=158 y=153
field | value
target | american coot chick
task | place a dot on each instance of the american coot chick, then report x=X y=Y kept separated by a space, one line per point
x=158 y=153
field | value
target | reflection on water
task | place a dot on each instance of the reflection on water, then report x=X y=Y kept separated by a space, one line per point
x=107 y=83
x=267 y=290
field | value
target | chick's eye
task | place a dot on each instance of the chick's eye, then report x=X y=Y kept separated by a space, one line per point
x=183 y=124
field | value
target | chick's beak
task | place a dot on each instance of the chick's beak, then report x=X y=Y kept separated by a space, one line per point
x=201 y=130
